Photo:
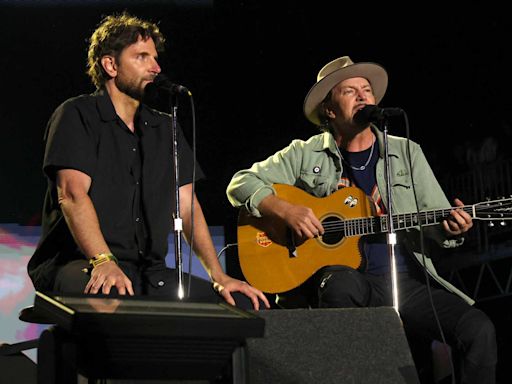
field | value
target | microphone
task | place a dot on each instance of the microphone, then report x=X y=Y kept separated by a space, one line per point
x=163 y=83
x=373 y=114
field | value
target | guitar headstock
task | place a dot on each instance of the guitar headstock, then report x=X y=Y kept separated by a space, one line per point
x=494 y=210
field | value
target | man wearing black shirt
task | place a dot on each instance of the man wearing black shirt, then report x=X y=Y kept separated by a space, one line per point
x=110 y=198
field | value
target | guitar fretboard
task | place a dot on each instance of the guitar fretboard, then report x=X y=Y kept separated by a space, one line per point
x=372 y=225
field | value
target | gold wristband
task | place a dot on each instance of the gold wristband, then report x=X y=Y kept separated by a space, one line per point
x=102 y=258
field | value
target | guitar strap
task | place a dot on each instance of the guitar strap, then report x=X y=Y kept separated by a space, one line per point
x=363 y=179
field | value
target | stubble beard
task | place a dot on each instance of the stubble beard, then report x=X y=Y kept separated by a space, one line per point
x=129 y=88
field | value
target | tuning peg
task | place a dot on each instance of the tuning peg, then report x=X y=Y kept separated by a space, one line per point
x=491 y=224
x=503 y=223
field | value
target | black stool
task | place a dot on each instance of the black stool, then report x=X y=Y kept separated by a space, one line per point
x=16 y=367
x=27 y=315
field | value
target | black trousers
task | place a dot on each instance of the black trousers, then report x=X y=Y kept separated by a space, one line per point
x=468 y=330
x=155 y=281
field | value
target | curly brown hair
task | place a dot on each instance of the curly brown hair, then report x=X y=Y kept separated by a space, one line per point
x=115 y=33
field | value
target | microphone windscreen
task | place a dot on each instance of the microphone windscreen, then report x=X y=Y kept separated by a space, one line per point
x=157 y=96
x=369 y=113
x=162 y=81
x=151 y=91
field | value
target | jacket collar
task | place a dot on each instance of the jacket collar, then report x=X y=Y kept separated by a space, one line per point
x=393 y=149
x=328 y=143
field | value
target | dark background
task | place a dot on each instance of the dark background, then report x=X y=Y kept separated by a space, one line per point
x=249 y=65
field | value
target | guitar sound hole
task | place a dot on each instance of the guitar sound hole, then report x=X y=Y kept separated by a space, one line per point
x=333 y=230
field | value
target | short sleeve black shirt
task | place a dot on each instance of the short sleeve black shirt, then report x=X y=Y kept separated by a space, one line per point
x=132 y=185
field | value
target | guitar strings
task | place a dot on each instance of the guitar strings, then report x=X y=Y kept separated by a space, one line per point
x=368 y=223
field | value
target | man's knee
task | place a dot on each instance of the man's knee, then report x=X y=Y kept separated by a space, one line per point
x=477 y=335
x=342 y=288
x=71 y=278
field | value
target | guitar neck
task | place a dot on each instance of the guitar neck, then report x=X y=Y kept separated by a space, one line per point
x=373 y=225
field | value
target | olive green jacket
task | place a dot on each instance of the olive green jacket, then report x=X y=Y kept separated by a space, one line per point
x=316 y=167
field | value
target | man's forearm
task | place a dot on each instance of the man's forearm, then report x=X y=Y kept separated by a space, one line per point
x=273 y=206
x=83 y=223
x=202 y=241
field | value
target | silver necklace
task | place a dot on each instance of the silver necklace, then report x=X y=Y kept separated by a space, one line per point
x=362 y=167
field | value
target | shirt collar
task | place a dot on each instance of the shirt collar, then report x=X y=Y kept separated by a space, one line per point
x=149 y=115
x=108 y=113
x=105 y=106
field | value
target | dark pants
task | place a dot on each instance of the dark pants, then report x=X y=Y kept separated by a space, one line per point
x=466 y=329
x=157 y=281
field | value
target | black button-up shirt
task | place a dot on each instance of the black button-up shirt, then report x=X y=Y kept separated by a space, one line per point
x=132 y=185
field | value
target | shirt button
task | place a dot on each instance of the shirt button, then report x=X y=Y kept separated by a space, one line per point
x=137 y=219
x=145 y=123
x=141 y=252
x=137 y=183
x=161 y=283
x=134 y=149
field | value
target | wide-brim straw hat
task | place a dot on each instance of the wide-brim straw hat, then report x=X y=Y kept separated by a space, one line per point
x=338 y=70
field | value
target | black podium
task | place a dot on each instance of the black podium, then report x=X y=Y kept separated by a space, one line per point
x=111 y=338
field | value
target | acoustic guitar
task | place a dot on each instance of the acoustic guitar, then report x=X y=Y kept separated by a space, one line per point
x=273 y=261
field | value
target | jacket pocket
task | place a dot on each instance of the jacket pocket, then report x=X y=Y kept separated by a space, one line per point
x=313 y=183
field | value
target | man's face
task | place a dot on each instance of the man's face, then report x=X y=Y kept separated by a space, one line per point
x=136 y=67
x=349 y=96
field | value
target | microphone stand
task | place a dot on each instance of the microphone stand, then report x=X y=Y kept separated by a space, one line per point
x=178 y=222
x=391 y=235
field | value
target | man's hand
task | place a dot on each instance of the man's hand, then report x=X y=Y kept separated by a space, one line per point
x=108 y=275
x=229 y=284
x=459 y=221
x=301 y=220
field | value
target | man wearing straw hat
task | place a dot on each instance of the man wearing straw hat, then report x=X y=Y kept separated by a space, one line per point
x=350 y=153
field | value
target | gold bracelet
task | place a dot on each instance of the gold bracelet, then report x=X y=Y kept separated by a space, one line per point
x=102 y=258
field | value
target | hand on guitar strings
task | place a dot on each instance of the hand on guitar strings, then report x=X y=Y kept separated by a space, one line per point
x=303 y=222
x=459 y=221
